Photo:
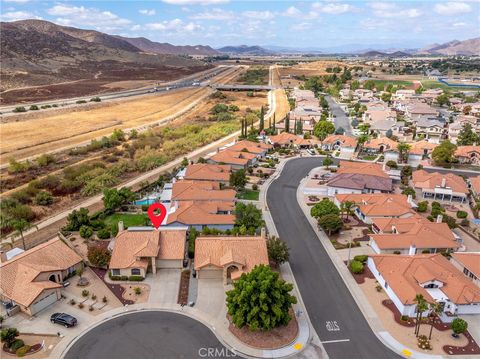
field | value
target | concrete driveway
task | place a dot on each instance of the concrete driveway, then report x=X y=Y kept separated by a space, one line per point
x=211 y=297
x=164 y=286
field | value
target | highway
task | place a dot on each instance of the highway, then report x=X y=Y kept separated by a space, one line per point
x=199 y=79
x=333 y=312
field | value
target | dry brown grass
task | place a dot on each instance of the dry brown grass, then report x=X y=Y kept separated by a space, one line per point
x=27 y=138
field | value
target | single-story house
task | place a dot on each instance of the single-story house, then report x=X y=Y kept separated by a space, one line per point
x=33 y=279
x=227 y=258
x=139 y=250
x=260 y=149
x=382 y=145
x=475 y=186
x=418 y=109
x=468 y=154
x=411 y=236
x=431 y=275
x=358 y=183
x=184 y=190
x=206 y=172
x=286 y=139
x=469 y=264
x=420 y=150
x=237 y=160
x=346 y=145
x=201 y=214
x=368 y=207
x=440 y=186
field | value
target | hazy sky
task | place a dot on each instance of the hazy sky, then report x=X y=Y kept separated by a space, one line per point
x=307 y=24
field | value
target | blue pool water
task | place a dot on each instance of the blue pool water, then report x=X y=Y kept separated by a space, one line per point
x=141 y=202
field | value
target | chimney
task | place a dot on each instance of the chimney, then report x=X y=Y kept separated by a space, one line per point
x=412 y=250
x=120 y=226
x=410 y=199
x=444 y=182
x=439 y=218
x=3 y=256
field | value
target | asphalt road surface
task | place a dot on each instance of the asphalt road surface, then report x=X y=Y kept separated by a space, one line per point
x=149 y=335
x=341 y=118
x=332 y=310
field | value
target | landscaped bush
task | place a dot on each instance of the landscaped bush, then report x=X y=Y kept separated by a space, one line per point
x=17 y=344
x=361 y=258
x=356 y=267
x=397 y=252
x=86 y=232
x=136 y=278
x=104 y=233
x=255 y=187
x=404 y=318
x=137 y=290
x=104 y=299
x=422 y=206
x=21 y=352
x=117 y=277
x=459 y=326
x=465 y=222
x=424 y=342
x=462 y=214
x=44 y=198
x=85 y=293
x=99 y=257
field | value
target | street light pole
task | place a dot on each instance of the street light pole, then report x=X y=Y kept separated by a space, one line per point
x=349 y=250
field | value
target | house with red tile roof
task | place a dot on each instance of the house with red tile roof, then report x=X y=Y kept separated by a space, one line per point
x=206 y=172
x=468 y=154
x=33 y=279
x=258 y=148
x=237 y=160
x=227 y=258
x=411 y=235
x=286 y=139
x=369 y=207
x=403 y=277
x=420 y=150
x=139 y=250
x=200 y=214
x=469 y=264
x=440 y=186
x=346 y=145
x=185 y=190
x=475 y=186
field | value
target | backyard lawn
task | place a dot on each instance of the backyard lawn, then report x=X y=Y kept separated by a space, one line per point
x=248 y=195
x=129 y=219
x=434 y=84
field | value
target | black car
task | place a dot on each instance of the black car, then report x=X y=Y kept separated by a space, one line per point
x=64 y=319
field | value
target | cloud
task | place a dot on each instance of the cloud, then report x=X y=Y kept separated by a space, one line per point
x=90 y=17
x=452 y=8
x=460 y=24
x=195 y=2
x=333 y=8
x=147 y=12
x=174 y=26
x=301 y=26
x=390 y=10
x=295 y=13
x=18 y=15
x=292 y=11
x=261 y=15
x=214 y=14
x=17 y=1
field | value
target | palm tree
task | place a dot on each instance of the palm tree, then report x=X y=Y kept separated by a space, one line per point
x=20 y=226
x=422 y=306
x=348 y=207
x=403 y=149
x=435 y=310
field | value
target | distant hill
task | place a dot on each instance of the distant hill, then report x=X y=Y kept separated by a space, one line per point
x=467 y=47
x=37 y=52
x=245 y=50
x=165 y=48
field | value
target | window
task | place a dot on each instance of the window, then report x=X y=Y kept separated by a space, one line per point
x=135 y=271
x=115 y=271
x=386 y=285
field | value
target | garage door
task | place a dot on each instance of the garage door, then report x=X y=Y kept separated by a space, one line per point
x=44 y=302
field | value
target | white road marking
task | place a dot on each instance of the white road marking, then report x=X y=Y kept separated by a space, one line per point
x=335 y=341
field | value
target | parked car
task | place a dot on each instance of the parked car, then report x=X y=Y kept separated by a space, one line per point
x=64 y=319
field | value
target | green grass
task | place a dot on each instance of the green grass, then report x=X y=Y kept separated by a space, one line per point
x=385 y=83
x=249 y=195
x=434 y=84
x=255 y=76
x=129 y=220
x=369 y=157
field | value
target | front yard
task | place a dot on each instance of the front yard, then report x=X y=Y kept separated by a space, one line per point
x=248 y=194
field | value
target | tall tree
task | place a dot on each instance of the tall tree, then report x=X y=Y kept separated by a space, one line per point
x=435 y=310
x=277 y=250
x=322 y=129
x=20 y=226
x=422 y=306
x=467 y=136
x=331 y=223
x=403 y=149
x=299 y=127
x=444 y=153
x=262 y=119
x=287 y=123
x=260 y=300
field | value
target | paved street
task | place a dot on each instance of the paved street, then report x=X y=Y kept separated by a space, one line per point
x=148 y=335
x=341 y=118
x=334 y=314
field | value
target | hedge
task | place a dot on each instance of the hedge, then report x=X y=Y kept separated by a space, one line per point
x=361 y=258
x=356 y=267
x=136 y=278
x=17 y=344
x=22 y=351
x=462 y=214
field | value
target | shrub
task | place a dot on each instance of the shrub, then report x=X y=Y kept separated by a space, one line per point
x=135 y=278
x=44 y=198
x=424 y=342
x=34 y=108
x=361 y=258
x=452 y=223
x=9 y=335
x=404 y=318
x=459 y=326
x=409 y=191
x=85 y=293
x=465 y=222
x=104 y=299
x=104 y=233
x=17 y=344
x=20 y=109
x=72 y=301
x=356 y=267
x=397 y=252
x=80 y=305
x=94 y=296
x=426 y=251
x=145 y=207
x=462 y=214
x=378 y=287
x=422 y=206
x=137 y=290
x=86 y=232
x=255 y=187
x=392 y=164
x=90 y=308
x=99 y=257
x=21 y=352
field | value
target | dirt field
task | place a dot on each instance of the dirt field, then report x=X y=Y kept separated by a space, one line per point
x=316 y=68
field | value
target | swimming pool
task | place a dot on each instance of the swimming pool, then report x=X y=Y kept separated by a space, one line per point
x=143 y=201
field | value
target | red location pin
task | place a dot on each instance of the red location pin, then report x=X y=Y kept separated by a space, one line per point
x=157 y=219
